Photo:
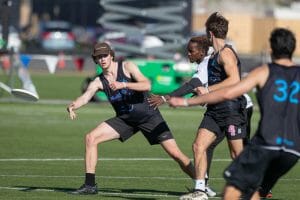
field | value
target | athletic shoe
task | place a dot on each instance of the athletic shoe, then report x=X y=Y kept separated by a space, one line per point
x=86 y=189
x=210 y=191
x=196 y=195
x=269 y=195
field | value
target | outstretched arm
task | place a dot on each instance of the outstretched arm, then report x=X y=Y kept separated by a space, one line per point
x=257 y=77
x=93 y=87
x=187 y=88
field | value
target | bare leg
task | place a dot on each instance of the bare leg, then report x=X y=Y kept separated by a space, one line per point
x=255 y=196
x=235 y=147
x=231 y=193
x=202 y=142
x=184 y=162
x=100 y=134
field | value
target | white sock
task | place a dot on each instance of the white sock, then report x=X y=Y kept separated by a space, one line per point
x=200 y=184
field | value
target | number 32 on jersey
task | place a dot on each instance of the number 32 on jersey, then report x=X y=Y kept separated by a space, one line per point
x=287 y=91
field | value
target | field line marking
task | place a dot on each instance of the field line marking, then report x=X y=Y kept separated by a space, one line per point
x=120 y=177
x=101 y=193
x=100 y=159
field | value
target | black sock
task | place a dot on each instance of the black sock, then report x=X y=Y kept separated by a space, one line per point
x=90 y=179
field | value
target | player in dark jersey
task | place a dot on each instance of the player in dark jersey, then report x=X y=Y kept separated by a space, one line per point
x=275 y=148
x=197 y=49
x=228 y=117
x=127 y=90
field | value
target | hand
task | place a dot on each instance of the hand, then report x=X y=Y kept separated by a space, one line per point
x=71 y=112
x=155 y=100
x=117 y=85
x=201 y=90
x=177 y=102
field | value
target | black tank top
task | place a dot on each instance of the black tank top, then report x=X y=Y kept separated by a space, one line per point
x=216 y=74
x=279 y=102
x=128 y=104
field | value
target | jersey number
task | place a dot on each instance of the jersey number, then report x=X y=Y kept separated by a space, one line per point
x=287 y=92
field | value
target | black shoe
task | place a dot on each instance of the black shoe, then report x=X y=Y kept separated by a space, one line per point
x=86 y=189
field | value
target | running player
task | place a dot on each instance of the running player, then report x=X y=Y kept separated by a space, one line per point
x=127 y=90
x=275 y=148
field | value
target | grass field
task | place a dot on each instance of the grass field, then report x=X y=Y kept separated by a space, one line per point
x=41 y=151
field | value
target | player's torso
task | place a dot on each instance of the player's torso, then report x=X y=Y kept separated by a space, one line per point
x=279 y=102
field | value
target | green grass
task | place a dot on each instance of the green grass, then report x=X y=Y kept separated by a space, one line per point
x=43 y=131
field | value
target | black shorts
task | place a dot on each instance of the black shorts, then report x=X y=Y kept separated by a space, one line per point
x=155 y=129
x=249 y=169
x=232 y=131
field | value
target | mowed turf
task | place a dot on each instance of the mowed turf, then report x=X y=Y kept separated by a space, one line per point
x=42 y=151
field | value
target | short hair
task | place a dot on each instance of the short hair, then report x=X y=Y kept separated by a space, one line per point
x=202 y=42
x=283 y=43
x=217 y=24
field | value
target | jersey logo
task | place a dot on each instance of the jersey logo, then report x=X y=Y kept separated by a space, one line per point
x=287 y=91
x=231 y=130
x=280 y=141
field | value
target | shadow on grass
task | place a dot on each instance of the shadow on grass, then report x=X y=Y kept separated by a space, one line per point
x=142 y=194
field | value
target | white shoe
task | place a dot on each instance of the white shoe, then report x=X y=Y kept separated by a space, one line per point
x=210 y=192
x=196 y=195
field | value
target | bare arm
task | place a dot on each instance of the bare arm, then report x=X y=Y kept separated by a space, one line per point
x=131 y=70
x=93 y=87
x=229 y=60
x=257 y=77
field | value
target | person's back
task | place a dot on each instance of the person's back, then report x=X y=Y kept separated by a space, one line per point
x=279 y=104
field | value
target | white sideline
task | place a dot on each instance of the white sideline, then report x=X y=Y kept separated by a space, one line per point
x=100 y=159
x=121 y=177
x=103 y=193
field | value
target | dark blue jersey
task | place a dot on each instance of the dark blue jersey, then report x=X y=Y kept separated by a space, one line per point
x=231 y=111
x=216 y=71
x=128 y=104
x=279 y=102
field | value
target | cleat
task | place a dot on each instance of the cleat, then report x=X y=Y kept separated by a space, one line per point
x=269 y=195
x=210 y=191
x=265 y=194
x=86 y=189
x=196 y=195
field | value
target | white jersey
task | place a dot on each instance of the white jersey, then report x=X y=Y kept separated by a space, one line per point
x=202 y=74
x=201 y=71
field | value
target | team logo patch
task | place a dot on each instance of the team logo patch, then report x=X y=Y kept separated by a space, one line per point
x=231 y=130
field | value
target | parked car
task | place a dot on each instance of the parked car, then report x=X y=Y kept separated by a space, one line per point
x=57 y=35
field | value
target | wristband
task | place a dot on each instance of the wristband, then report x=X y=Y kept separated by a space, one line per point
x=185 y=103
x=124 y=84
x=163 y=98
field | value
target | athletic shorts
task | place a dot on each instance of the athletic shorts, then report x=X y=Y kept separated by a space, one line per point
x=249 y=169
x=232 y=132
x=155 y=129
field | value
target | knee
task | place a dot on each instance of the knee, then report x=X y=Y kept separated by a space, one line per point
x=89 y=140
x=198 y=148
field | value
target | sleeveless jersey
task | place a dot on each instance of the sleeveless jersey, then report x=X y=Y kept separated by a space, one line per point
x=279 y=102
x=228 y=111
x=128 y=104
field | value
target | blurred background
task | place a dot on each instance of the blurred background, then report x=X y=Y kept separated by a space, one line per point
x=56 y=36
